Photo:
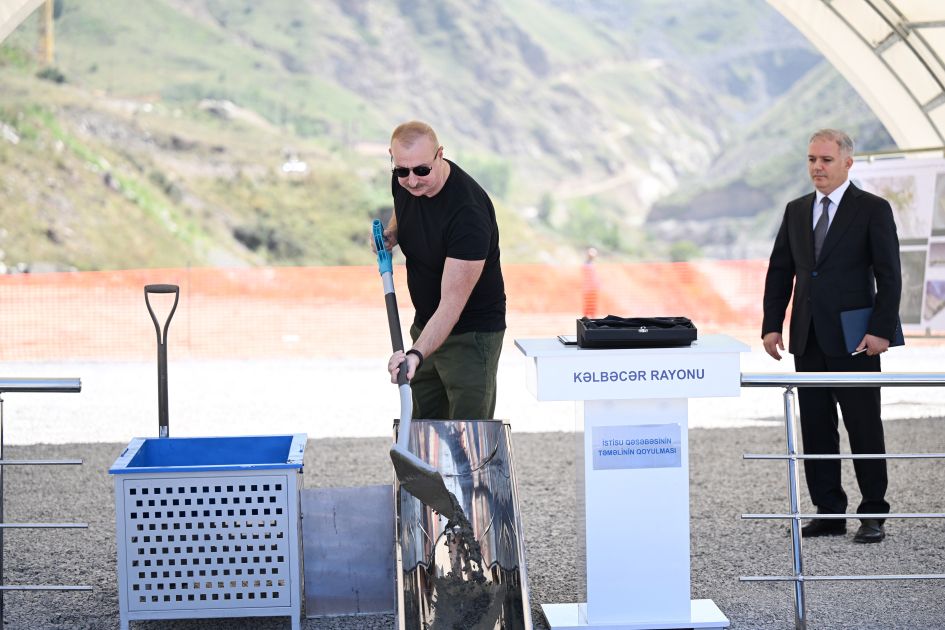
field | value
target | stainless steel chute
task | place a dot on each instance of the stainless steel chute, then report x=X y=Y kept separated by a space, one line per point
x=442 y=583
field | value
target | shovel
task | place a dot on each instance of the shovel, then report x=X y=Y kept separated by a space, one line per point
x=415 y=475
x=162 y=350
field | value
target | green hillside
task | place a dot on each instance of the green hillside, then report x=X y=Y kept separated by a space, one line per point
x=735 y=207
x=178 y=132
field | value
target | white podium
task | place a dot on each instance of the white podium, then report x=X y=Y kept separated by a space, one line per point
x=634 y=407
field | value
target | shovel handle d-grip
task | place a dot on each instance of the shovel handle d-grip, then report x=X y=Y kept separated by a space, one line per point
x=161 y=288
x=163 y=420
x=385 y=266
x=384 y=262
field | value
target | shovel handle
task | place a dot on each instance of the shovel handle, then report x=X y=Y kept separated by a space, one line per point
x=386 y=269
x=163 y=419
x=396 y=337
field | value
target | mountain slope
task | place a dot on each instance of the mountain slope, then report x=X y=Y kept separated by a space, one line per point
x=734 y=209
x=177 y=118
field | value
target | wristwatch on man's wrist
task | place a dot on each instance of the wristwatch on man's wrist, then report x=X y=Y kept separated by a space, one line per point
x=417 y=354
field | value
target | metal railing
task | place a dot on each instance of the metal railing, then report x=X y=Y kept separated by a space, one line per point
x=33 y=385
x=830 y=379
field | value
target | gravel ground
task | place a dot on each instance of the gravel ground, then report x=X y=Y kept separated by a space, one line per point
x=724 y=547
x=313 y=396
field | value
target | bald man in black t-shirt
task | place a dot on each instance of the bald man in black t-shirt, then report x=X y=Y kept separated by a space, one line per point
x=445 y=225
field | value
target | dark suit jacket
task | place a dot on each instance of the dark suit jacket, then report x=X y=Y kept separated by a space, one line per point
x=858 y=267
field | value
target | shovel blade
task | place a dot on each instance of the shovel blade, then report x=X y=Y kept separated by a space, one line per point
x=423 y=481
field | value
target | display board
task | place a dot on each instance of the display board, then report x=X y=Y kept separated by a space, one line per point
x=915 y=188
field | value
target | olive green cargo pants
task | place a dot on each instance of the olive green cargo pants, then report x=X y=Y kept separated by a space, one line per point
x=458 y=381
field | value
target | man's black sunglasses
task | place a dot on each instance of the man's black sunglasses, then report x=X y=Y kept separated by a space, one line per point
x=419 y=171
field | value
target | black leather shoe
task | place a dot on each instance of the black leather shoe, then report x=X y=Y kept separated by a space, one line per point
x=871 y=531
x=824 y=527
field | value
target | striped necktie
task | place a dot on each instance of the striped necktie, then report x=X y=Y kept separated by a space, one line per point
x=820 y=230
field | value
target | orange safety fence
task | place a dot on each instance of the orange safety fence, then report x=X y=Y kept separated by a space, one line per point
x=336 y=312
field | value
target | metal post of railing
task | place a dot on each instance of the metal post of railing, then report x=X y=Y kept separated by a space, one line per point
x=800 y=608
x=35 y=385
x=1 y=509
x=831 y=379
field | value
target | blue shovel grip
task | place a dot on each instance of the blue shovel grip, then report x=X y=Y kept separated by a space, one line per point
x=384 y=263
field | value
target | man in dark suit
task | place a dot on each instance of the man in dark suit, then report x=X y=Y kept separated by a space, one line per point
x=838 y=247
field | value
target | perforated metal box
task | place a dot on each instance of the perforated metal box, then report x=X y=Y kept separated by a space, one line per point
x=209 y=527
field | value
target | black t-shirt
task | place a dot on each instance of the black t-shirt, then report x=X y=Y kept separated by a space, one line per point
x=458 y=222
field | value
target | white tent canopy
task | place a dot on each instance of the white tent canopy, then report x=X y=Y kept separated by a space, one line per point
x=12 y=12
x=891 y=51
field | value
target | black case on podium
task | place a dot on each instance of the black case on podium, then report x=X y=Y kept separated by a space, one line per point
x=635 y=332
